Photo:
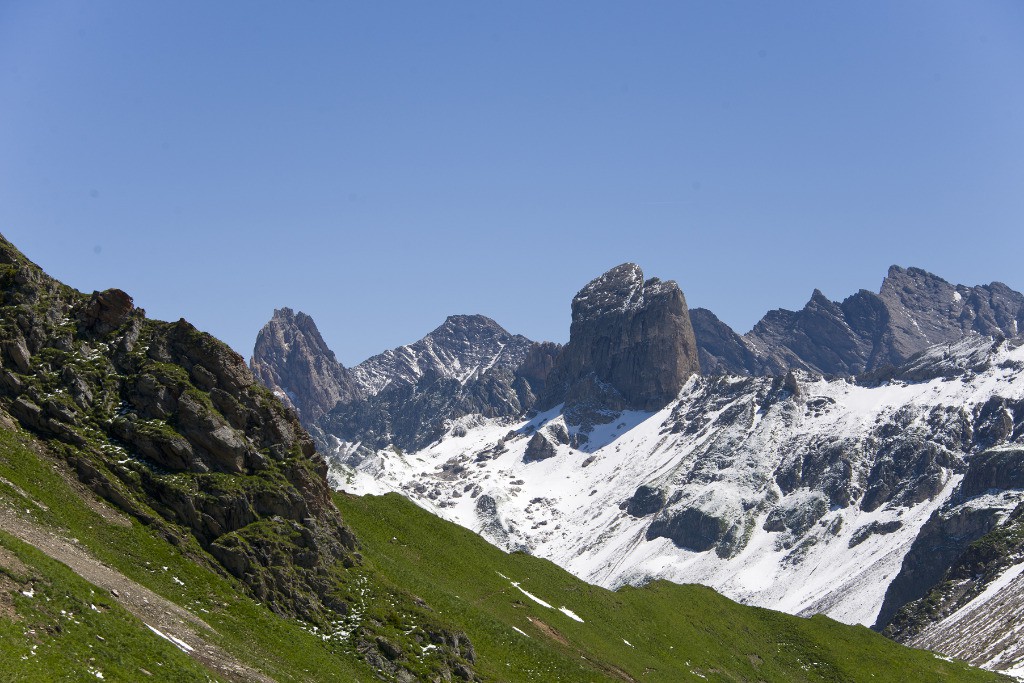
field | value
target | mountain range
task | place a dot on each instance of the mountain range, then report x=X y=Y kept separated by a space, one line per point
x=858 y=458
x=165 y=517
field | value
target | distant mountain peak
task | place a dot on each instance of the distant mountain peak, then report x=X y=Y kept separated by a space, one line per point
x=912 y=310
x=631 y=344
x=292 y=359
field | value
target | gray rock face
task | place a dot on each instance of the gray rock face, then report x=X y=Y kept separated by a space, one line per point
x=539 y=448
x=950 y=561
x=464 y=347
x=943 y=539
x=292 y=360
x=691 y=528
x=950 y=618
x=647 y=500
x=631 y=345
x=469 y=365
x=107 y=311
x=924 y=310
x=720 y=350
x=865 y=332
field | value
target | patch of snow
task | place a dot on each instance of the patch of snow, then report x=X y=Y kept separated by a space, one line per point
x=178 y=642
x=531 y=595
x=569 y=613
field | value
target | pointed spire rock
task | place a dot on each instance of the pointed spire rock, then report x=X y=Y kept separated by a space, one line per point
x=631 y=344
x=292 y=360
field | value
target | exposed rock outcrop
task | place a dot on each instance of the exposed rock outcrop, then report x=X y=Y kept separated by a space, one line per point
x=963 y=547
x=184 y=411
x=720 y=350
x=631 y=345
x=170 y=425
x=539 y=448
x=292 y=360
x=409 y=396
x=912 y=311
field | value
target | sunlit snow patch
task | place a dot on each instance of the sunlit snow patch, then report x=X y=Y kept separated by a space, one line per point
x=181 y=644
x=531 y=595
x=569 y=613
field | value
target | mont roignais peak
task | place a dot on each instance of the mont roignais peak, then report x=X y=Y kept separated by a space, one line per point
x=860 y=459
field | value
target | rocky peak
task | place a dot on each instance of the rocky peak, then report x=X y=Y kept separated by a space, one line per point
x=924 y=309
x=619 y=289
x=292 y=360
x=631 y=344
x=868 y=331
x=107 y=310
x=462 y=347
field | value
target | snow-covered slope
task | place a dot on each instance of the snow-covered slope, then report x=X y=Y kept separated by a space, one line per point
x=989 y=630
x=801 y=494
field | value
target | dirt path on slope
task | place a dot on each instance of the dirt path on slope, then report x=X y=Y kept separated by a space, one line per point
x=155 y=611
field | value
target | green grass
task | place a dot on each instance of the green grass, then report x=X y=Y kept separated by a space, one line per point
x=675 y=633
x=54 y=622
x=419 y=575
x=280 y=647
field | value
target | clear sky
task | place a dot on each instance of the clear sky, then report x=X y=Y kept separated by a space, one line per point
x=381 y=165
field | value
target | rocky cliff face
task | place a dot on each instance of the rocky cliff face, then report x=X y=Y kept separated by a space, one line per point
x=469 y=365
x=973 y=611
x=405 y=397
x=631 y=345
x=291 y=359
x=463 y=347
x=202 y=451
x=719 y=349
x=866 y=331
x=924 y=310
x=169 y=425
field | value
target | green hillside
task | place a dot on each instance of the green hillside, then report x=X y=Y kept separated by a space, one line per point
x=661 y=632
x=414 y=566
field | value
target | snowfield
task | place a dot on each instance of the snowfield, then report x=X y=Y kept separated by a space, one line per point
x=736 y=451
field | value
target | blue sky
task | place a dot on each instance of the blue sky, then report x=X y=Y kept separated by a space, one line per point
x=383 y=165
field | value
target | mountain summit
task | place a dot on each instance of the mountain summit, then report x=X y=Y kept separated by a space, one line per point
x=631 y=344
x=292 y=360
x=912 y=310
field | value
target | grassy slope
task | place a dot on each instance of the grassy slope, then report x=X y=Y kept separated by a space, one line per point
x=253 y=633
x=675 y=633
x=54 y=622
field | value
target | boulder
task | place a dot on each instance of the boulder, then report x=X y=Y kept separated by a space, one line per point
x=539 y=448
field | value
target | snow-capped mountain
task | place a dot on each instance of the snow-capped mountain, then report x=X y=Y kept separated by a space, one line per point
x=802 y=495
x=404 y=396
x=864 y=497
x=464 y=348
